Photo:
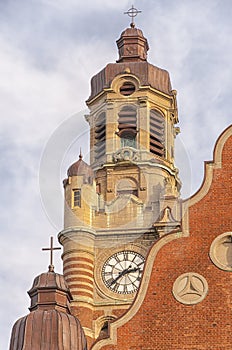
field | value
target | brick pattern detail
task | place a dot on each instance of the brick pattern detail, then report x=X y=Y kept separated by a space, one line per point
x=78 y=272
x=162 y=322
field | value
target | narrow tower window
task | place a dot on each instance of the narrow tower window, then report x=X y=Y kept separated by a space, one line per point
x=127 y=126
x=100 y=136
x=156 y=133
x=77 y=198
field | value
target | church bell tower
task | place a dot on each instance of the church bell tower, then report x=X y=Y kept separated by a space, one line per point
x=128 y=196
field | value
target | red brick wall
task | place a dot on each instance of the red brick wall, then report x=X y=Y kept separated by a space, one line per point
x=163 y=323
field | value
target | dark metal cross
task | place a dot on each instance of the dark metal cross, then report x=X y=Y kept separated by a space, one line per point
x=51 y=266
x=132 y=12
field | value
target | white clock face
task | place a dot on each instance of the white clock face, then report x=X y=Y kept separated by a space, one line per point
x=122 y=272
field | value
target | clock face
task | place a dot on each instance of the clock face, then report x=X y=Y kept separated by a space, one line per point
x=122 y=272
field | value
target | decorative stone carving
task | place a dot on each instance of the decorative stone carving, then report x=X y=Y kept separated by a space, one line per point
x=190 y=288
x=171 y=186
x=221 y=251
x=168 y=190
x=166 y=222
x=125 y=154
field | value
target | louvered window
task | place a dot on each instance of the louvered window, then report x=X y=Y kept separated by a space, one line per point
x=100 y=136
x=156 y=133
x=127 y=126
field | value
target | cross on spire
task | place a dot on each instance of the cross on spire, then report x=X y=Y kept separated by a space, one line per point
x=80 y=155
x=51 y=266
x=132 y=12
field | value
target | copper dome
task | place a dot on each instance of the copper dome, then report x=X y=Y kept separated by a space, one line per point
x=49 y=280
x=132 y=49
x=54 y=285
x=132 y=31
x=47 y=330
x=132 y=45
x=49 y=325
x=80 y=168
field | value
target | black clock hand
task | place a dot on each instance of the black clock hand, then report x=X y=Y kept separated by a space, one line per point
x=136 y=268
x=124 y=272
x=132 y=270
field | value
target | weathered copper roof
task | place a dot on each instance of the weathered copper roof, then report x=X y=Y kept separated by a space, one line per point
x=54 y=285
x=49 y=280
x=147 y=74
x=47 y=330
x=132 y=45
x=49 y=325
x=132 y=48
x=80 y=168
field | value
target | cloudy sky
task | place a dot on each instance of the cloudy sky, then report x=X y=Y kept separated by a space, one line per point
x=49 y=50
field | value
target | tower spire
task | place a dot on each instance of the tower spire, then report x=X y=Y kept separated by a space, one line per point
x=132 y=45
x=80 y=154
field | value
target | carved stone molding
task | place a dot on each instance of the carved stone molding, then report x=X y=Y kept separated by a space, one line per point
x=125 y=154
x=221 y=251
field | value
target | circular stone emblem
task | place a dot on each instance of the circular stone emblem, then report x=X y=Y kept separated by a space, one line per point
x=190 y=288
x=221 y=251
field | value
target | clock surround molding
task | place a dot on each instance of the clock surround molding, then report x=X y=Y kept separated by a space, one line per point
x=101 y=258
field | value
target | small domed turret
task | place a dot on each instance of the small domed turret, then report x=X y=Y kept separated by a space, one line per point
x=81 y=168
x=49 y=325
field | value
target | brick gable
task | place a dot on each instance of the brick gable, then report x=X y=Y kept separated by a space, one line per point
x=156 y=319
